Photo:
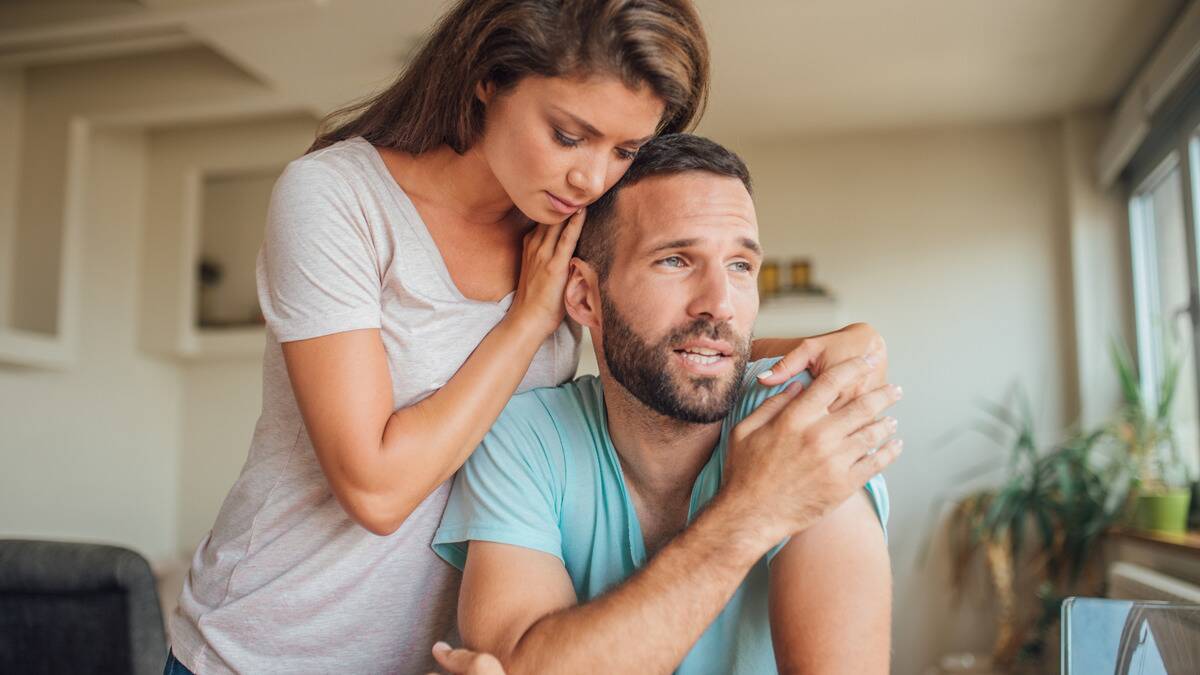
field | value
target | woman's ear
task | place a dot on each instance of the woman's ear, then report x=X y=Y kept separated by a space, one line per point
x=484 y=91
x=582 y=295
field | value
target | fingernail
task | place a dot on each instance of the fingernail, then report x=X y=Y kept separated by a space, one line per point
x=441 y=647
x=899 y=446
x=765 y=374
x=891 y=423
x=872 y=359
x=898 y=390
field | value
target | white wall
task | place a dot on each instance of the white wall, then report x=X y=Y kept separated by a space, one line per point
x=953 y=243
x=54 y=94
x=222 y=398
x=222 y=402
x=91 y=452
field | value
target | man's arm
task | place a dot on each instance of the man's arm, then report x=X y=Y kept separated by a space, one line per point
x=788 y=463
x=831 y=595
x=519 y=605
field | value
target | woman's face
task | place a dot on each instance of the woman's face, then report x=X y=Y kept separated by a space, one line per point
x=556 y=144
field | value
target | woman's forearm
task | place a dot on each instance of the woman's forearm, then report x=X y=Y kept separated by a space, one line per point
x=425 y=443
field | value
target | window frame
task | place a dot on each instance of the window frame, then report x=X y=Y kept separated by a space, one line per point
x=1173 y=143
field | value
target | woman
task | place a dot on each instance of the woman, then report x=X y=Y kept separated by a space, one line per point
x=395 y=335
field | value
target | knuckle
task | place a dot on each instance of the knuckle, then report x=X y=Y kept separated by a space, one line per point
x=861 y=407
x=824 y=440
x=794 y=426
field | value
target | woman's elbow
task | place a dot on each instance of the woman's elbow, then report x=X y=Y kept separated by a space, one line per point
x=377 y=515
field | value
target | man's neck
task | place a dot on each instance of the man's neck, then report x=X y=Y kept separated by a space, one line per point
x=660 y=456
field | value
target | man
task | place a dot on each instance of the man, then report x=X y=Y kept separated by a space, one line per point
x=673 y=514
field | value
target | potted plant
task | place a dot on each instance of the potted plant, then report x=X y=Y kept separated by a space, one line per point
x=1038 y=528
x=1161 y=478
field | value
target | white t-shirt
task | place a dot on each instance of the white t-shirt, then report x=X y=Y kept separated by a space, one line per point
x=286 y=581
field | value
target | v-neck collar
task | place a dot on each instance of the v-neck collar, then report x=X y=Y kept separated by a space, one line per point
x=637 y=541
x=421 y=230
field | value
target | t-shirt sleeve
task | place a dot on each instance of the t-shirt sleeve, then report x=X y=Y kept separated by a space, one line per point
x=318 y=270
x=754 y=394
x=510 y=489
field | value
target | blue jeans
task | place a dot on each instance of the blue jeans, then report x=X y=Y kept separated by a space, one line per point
x=174 y=667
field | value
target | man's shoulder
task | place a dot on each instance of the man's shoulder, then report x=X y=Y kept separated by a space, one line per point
x=580 y=397
x=545 y=416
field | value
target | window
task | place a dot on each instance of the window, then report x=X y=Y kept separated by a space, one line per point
x=1163 y=291
x=1165 y=246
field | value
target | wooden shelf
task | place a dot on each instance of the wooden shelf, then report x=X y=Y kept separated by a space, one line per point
x=1188 y=542
x=797 y=315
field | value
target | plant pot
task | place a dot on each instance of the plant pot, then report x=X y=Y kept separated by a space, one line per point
x=1164 y=511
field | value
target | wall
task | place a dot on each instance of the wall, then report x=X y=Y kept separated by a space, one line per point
x=93 y=451
x=954 y=244
x=235 y=208
x=222 y=398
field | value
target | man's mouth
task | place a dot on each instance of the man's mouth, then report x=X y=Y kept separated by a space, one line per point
x=704 y=354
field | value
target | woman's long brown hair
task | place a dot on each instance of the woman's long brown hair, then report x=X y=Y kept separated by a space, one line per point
x=656 y=43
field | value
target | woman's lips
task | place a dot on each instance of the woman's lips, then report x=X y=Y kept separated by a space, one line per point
x=563 y=207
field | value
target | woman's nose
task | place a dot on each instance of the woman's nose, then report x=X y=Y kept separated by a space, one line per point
x=588 y=178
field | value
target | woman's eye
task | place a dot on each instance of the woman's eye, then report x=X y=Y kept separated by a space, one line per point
x=565 y=140
x=626 y=155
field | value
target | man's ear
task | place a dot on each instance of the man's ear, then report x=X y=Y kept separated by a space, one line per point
x=582 y=296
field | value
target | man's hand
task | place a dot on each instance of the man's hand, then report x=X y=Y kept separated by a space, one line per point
x=821 y=352
x=792 y=460
x=465 y=661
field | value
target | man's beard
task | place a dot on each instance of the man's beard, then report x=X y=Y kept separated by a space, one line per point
x=645 y=369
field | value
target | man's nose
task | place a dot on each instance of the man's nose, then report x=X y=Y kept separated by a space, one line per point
x=713 y=297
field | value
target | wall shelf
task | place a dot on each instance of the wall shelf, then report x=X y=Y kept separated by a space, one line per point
x=209 y=186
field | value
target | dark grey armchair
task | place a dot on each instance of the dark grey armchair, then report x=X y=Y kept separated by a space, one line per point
x=78 y=608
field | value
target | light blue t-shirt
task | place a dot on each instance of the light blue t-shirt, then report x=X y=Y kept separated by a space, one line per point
x=546 y=477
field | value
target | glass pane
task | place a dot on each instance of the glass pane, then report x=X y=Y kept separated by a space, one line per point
x=1123 y=637
x=1166 y=294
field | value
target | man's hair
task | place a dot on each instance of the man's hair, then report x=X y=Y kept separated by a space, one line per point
x=662 y=156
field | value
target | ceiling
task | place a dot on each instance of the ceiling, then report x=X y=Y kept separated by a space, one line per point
x=780 y=67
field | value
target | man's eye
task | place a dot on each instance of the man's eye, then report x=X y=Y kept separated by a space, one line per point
x=672 y=261
x=565 y=140
x=743 y=266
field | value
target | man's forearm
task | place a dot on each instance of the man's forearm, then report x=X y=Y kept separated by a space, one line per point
x=648 y=623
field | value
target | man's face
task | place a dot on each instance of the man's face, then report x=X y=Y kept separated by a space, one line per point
x=682 y=293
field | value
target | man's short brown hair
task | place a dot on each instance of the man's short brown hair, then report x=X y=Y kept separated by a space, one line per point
x=662 y=156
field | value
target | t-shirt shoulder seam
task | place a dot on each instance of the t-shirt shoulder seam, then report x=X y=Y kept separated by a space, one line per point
x=562 y=450
x=316 y=160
